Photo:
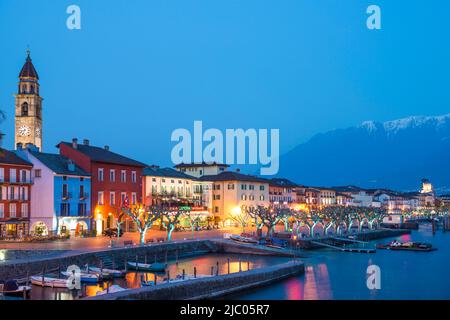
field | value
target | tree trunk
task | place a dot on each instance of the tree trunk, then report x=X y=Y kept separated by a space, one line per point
x=142 y=236
x=169 y=232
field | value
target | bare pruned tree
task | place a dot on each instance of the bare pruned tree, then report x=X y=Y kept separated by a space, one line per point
x=241 y=217
x=169 y=219
x=268 y=216
x=144 y=219
x=194 y=220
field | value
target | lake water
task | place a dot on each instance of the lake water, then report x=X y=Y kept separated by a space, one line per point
x=329 y=274
x=340 y=275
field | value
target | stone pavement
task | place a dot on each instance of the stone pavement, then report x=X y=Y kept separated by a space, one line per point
x=98 y=243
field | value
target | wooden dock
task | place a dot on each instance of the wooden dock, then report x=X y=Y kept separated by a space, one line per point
x=340 y=245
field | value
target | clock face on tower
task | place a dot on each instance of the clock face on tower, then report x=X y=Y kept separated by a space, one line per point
x=24 y=131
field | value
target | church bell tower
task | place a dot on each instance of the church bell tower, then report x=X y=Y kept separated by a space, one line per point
x=28 y=107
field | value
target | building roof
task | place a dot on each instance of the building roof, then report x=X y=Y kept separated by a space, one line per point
x=232 y=176
x=58 y=164
x=28 y=70
x=344 y=195
x=348 y=189
x=282 y=183
x=103 y=155
x=9 y=157
x=321 y=188
x=202 y=164
x=165 y=172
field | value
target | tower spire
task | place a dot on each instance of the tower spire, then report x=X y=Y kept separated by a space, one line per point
x=28 y=107
x=28 y=70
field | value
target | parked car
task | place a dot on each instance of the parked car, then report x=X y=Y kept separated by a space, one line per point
x=112 y=232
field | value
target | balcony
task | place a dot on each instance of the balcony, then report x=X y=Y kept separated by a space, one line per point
x=66 y=196
x=16 y=181
x=84 y=195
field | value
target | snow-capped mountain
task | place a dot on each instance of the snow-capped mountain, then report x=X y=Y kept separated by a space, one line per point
x=394 y=154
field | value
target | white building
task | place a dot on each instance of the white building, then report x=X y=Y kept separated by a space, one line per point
x=201 y=169
x=166 y=184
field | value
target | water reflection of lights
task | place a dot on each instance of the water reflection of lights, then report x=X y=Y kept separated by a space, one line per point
x=295 y=289
x=317 y=283
x=405 y=237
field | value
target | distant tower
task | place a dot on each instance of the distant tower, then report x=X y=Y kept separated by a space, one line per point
x=427 y=187
x=28 y=107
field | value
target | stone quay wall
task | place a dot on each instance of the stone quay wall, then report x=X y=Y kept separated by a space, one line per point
x=210 y=287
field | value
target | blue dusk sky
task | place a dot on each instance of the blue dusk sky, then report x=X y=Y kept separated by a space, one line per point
x=139 y=69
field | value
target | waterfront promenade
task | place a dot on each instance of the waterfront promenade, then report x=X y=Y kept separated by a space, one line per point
x=102 y=242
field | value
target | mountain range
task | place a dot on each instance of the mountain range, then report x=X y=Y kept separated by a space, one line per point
x=394 y=154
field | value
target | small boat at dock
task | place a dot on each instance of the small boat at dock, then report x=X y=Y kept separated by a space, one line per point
x=49 y=282
x=242 y=239
x=12 y=289
x=111 y=272
x=407 y=246
x=154 y=267
x=84 y=277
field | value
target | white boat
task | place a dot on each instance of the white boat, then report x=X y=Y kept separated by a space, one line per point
x=13 y=289
x=48 y=282
x=110 y=272
x=84 y=277
x=101 y=275
x=113 y=289
x=238 y=238
x=154 y=267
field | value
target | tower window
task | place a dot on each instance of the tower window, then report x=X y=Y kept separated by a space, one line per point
x=24 y=89
x=31 y=89
x=25 y=109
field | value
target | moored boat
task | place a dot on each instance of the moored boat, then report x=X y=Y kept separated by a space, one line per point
x=12 y=289
x=49 y=282
x=102 y=274
x=407 y=246
x=111 y=272
x=154 y=267
x=84 y=277
x=242 y=239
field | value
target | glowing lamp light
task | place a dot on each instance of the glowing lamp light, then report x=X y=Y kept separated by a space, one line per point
x=236 y=211
x=2 y=255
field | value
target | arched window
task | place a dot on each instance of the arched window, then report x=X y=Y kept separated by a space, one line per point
x=31 y=89
x=25 y=109
x=24 y=89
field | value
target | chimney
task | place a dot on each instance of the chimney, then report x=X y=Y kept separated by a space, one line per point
x=107 y=148
x=31 y=147
x=86 y=142
x=75 y=143
x=70 y=165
